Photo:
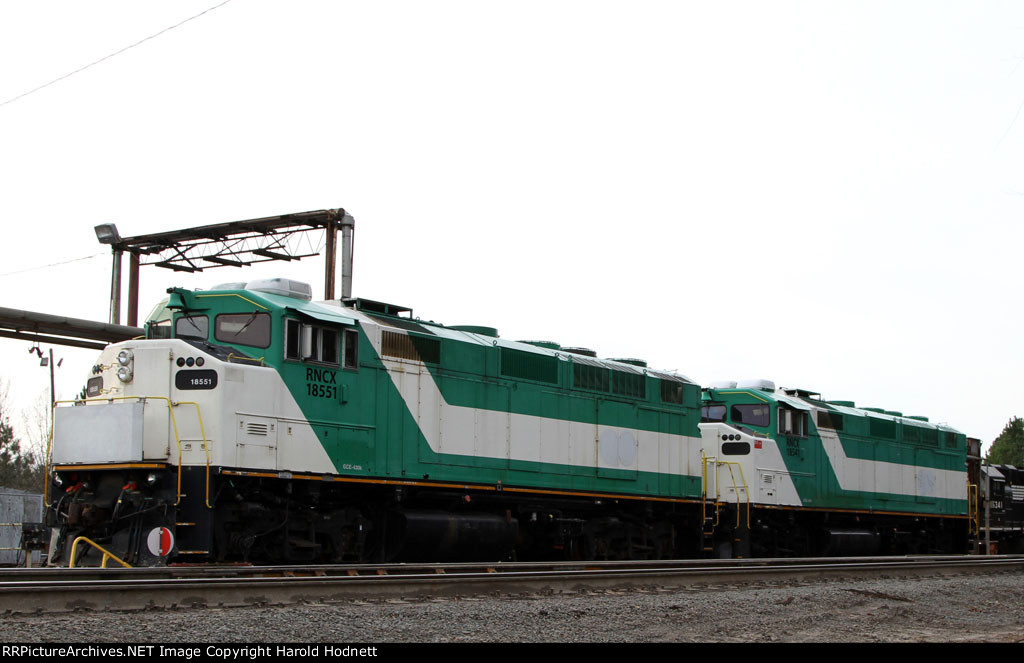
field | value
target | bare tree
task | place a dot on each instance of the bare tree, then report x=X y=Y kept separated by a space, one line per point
x=19 y=468
x=35 y=424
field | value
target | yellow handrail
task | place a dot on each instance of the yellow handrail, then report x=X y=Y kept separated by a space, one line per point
x=106 y=553
x=233 y=357
x=743 y=479
x=703 y=486
x=174 y=424
x=704 y=490
x=206 y=448
x=973 y=510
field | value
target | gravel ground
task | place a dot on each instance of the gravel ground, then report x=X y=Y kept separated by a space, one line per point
x=958 y=609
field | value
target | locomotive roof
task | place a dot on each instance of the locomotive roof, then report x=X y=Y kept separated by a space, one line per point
x=323 y=311
x=780 y=396
x=349 y=312
x=560 y=353
x=993 y=472
x=319 y=310
x=465 y=335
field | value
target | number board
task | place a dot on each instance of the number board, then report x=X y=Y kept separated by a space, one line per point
x=205 y=379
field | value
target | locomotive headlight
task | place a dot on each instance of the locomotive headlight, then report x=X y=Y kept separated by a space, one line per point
x=124 y=373
x=124 y=357
x=152 y=478
x=57 y=480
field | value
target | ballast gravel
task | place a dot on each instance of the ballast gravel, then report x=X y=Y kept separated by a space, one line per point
x=986 y=608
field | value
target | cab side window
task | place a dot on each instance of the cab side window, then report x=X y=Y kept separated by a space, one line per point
x=751 y=415
x=243 y=329
x=193 y=326
x=314 y=343
x=351 y=348
x=712 y=413
x=792 y=422
x=292 y=339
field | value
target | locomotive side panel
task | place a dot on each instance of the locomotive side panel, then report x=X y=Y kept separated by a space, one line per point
x=517 y=421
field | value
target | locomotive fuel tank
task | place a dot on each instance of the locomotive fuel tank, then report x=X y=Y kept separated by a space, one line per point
x=428 y=535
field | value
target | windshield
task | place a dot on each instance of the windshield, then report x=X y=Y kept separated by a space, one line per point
x=158 y=323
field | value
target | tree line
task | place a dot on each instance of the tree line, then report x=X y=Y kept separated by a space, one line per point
x=1008 y=448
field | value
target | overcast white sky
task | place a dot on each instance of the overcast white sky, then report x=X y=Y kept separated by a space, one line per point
x=825 y=194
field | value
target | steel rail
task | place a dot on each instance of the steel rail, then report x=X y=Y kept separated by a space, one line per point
x=242 y=570
x=399 y=569
x=121 y=594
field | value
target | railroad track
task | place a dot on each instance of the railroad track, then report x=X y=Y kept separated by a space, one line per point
x=27 y=591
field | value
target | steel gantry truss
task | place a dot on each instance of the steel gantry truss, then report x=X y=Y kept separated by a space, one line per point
x=234 y=244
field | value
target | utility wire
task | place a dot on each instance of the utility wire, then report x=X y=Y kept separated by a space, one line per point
x=1016 y=115
x=92 y=64
x=32 y=269
x=1012 y=122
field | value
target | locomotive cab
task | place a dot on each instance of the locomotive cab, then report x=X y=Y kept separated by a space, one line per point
x=141 y=456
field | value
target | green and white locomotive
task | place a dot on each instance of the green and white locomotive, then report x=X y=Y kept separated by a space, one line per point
x=830 y=478
x=252 y=424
